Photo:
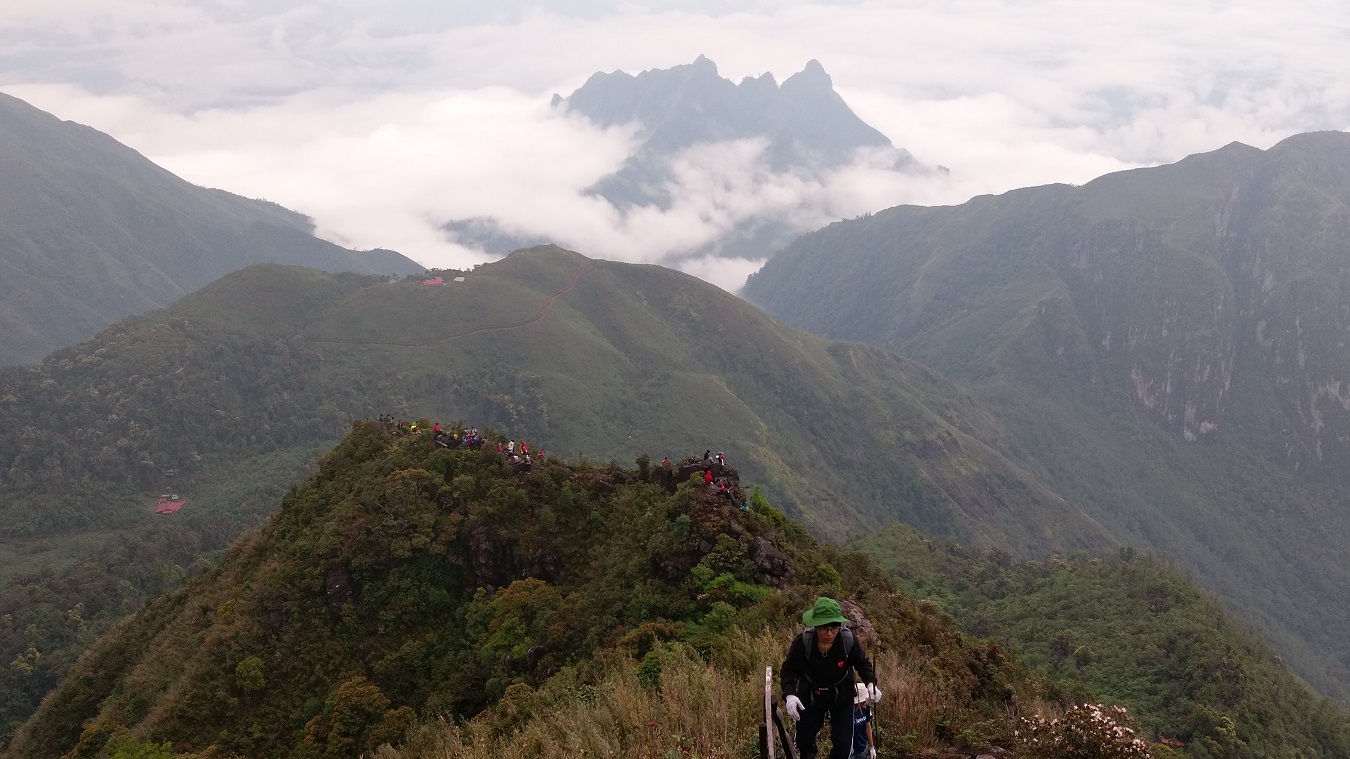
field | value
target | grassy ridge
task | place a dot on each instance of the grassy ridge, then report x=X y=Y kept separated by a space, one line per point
x=211 y=381
x=401 y=582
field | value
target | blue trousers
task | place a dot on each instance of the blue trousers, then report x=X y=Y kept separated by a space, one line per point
x=841 y=728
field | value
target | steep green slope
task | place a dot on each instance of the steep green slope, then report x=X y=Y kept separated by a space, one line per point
x=1132 y=630
x=642 y=358
x=1164 y=347
x=403 y=581
x=236 y=388
x=90 y=231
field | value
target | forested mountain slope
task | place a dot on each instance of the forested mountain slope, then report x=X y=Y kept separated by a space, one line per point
x=1165 y=346
x=473 y=607
x=228 y=396
x=1130 y=629
x=404 y=581
x=637 y=357
x=91 y=231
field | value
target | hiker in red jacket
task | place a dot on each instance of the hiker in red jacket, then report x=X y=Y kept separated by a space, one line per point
x=707 y=476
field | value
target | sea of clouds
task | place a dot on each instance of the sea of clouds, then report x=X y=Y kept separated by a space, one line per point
x=384 y=121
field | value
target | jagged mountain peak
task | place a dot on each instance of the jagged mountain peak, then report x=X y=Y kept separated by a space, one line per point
x=801 y=128
x=812 y=77
x=765 y=81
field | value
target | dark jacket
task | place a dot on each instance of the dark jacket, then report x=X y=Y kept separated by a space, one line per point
x=811 y=677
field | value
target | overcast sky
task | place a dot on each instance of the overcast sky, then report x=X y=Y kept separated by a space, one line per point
x=383 y=120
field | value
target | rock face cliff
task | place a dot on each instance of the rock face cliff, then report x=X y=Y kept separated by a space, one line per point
x=1180 y=286
x=1166 y=346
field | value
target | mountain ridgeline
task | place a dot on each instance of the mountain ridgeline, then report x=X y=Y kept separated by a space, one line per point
x=1165 y=347
x=275 y=359
x=404 y=581
x=91 y=231
x=451 y=603
x=228 y=396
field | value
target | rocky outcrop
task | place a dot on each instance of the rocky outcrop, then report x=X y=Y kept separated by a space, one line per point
x=860 y=624
x=775 y=568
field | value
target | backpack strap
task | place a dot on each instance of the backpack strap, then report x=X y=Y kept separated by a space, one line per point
x=808 y=638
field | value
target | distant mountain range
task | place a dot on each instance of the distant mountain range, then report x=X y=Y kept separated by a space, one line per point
x=1167 y=348
x=91 y=231
x=806 y=129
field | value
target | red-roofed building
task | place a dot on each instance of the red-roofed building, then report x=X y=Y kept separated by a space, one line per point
x=168 y=504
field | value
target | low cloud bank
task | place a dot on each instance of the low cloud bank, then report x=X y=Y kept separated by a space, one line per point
x=393 y=171
x=386 y=121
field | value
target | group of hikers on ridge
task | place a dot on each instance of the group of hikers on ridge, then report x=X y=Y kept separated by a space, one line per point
x=463 y=437
x=518 y=454
x=723 y=481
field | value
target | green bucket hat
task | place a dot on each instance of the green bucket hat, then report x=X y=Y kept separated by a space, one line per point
x=825 y=611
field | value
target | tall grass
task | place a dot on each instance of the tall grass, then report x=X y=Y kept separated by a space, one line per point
x=699 y=710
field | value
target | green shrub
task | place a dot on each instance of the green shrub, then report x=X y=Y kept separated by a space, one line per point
x=248 y=675
x=130 y=748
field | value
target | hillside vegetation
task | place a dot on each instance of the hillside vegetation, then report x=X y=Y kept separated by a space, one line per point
x=405 y=582
x=236 y=389
x=91 y=231
x=273 y=360
x=1164 y=348
x=1131 y=630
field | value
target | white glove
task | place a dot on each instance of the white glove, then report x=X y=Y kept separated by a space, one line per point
x=794 y=708
x=874 y=693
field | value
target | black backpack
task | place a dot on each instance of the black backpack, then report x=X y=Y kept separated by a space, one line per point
x=809 y=640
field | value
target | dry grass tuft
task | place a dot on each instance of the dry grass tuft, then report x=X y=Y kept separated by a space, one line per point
x=699 y=711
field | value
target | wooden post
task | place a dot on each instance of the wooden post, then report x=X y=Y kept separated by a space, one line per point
x=766 y=729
